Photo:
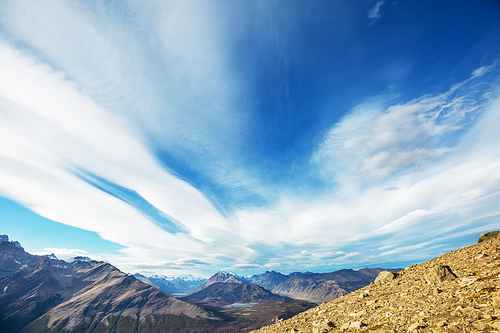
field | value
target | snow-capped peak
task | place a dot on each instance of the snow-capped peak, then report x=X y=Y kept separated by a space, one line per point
x=51 y=256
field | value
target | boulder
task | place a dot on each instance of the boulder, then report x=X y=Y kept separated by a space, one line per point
x=488 y=236
x=439 y=274
x=384 y=277
x=321 y=326
x=357 y=325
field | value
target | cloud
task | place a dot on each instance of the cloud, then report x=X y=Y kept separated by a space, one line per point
x=58 y=132
x=246 y=267
x=382 y=143
x=374 y=14
x=179 y=264
x=134 y=126
x=478 y=72
x=69 y=254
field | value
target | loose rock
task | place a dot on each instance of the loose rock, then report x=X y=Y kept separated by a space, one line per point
x=439 y=274
x=489 y=235
x=384 y=277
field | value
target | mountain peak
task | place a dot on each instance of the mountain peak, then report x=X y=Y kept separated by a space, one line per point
x=220 y=277
x=51 y=256
x=5 y=238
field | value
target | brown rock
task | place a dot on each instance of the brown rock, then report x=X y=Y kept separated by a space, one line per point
x=440 y=323
x=321 y=326
x=482 y=262
x=345 y=326
x=488 y=236
x=439 y=274
x=469 y=309
x=357 y=324
x=384 y=277
x=416 y=326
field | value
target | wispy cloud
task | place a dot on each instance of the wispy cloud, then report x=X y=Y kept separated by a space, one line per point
x=382 y=143
x=374 y=14
x=136 y=127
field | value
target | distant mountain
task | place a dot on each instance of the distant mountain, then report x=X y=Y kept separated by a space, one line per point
x=41 y=294
x=220 y=277
x=225 y=293
x=269 y=279
x=251 y=305
x=324 y=287
x=171 y=285
x=82 y=258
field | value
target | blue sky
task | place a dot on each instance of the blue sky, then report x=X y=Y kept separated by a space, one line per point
x=178 y=137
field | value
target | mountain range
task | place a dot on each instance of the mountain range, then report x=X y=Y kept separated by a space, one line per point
x=45 y=294
x=178 y=285
x=312 y=287
x=40 y=294
x=324 y=287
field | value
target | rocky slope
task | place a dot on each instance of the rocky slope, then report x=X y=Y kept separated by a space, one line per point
x=324 y=287
x=455 y=292
x=45 y=294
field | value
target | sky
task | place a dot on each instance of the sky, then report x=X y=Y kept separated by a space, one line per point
x=188 y=137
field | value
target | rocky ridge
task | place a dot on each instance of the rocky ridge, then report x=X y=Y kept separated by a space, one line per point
x=456 y=292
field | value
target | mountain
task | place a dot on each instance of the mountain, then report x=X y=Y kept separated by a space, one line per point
x=225 y=293
x=324 y=287
x=250 y=305
x=220 y=277
x=269 y=279
x=171 y=285
x=458 y=291
x=41 y=294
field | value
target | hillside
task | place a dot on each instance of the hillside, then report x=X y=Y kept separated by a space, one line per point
x=456 y=292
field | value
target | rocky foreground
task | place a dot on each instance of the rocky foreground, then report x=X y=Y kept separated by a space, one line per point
x=455 y=292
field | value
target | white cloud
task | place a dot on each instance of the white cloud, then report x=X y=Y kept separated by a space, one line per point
x=376 y=144
x=374 y=13
x=57 y=132
x=69 y=254
x=478 y=72
x=451 y=196
x=76 y=99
